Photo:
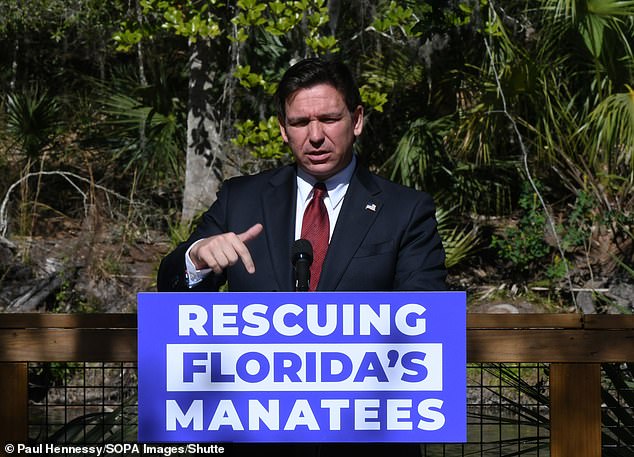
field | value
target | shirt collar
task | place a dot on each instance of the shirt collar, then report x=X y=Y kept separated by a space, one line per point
x=336 y=185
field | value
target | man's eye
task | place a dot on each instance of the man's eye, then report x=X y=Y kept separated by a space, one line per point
x=300 y=123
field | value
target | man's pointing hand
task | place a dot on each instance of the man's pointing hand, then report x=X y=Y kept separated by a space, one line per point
x=221 y=251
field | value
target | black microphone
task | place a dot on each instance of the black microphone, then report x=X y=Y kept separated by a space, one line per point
x=302 y=258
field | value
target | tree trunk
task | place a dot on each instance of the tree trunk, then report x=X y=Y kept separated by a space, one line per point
x=14 y=64
x=142 y=79
x=205 y=157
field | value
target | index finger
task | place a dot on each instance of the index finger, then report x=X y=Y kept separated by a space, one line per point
x=241 y=248
x=251 y=233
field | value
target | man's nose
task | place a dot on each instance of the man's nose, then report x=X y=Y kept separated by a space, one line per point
x=315 y=131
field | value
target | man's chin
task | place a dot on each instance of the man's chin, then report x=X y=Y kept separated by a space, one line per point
x=322 y=167
x=320 y=170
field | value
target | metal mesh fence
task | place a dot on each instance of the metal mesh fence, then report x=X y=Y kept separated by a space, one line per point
x=617 y=412
x=507 y=408
x=82 y=402
x=507 y=412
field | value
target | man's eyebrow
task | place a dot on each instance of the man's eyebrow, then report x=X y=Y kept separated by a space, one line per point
x=295 y=118
x=327 y=115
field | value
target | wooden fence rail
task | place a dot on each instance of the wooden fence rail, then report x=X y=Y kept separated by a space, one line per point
x=575 y=346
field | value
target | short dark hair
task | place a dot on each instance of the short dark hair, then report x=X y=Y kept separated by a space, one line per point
x=311 y=72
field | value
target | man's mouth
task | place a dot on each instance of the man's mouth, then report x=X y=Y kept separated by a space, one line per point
x=317 y=155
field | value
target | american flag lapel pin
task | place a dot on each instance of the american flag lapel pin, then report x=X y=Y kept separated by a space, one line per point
x=371 y=206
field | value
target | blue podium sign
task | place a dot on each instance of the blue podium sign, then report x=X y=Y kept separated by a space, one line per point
x=302 y=367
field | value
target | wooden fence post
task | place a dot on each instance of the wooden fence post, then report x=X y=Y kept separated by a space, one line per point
x=575 y=409
x=13 y=403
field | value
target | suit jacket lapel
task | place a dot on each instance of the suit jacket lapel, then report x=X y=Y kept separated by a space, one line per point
x=361 y=206
x=278 y=203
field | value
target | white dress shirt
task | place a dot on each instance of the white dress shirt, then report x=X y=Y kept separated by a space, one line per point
x=336 y=187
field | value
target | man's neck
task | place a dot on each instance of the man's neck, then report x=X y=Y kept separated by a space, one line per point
x=342 y=176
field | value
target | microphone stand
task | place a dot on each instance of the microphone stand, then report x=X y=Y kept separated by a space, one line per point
x=302 y=258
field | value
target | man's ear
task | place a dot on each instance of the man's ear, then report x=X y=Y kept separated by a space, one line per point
x=357 y=120
x=280 y=122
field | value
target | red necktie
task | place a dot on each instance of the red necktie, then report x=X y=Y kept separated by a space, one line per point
x=316 y=229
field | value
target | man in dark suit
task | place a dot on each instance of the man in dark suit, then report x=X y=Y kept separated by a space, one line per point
x=378 y=235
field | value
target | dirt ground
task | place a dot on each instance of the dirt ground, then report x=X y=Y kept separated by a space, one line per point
x=95 y=267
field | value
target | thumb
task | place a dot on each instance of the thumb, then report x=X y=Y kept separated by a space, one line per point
x=251 y=233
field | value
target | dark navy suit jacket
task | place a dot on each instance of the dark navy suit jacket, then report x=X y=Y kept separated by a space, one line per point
x=385 y=237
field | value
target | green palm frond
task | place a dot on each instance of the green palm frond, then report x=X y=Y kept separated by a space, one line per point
x=419 y=151
x=146 y=139
x=459 y=243
x=610 y=127
x=32 y=119
x=592 y=19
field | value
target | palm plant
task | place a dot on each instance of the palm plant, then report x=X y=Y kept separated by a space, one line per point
x=420 y=162
x=144 y=126
x=610 y=127
x=586 y=47
x=425 y=159
x=32 y=120
x=459 y=242
x=563 y=77
x=587 y=126
x=552 y=94
x=156 y=149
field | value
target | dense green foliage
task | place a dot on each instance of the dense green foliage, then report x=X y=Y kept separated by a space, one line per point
x=472 y=100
